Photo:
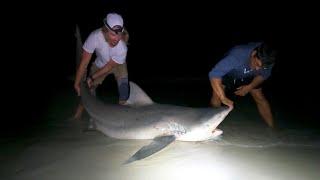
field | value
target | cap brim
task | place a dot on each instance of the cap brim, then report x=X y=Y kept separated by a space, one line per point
x=117 y=30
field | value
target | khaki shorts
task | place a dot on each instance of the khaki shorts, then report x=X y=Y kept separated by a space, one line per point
x=120 y=71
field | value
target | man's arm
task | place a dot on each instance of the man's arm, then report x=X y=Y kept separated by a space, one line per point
x=216 y=84
x=106 y=69
x=223 y=67
x=85 y=59
x=243 y=90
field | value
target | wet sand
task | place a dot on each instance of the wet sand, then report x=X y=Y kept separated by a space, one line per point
x=61 y=149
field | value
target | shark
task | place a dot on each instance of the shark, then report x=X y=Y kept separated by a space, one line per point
x=142 y=118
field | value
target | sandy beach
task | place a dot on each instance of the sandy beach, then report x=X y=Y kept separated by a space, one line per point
x=61 y=148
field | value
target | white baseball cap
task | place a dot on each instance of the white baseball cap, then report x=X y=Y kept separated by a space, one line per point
x=114 y=22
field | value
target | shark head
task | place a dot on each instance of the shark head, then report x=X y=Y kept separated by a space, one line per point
x=207 y=129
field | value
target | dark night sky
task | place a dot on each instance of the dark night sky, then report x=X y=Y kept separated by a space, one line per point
x=166 y=41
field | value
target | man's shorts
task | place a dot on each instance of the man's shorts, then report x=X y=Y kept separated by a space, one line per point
x=231 y=84
x=119 y=72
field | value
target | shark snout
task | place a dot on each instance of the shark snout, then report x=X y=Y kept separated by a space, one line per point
x=225 y=112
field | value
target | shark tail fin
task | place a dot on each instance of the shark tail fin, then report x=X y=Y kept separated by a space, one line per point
x=78 y=52
x=78 y=45
x=156 y=145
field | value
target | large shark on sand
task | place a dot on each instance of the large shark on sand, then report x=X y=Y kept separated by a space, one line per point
x=141 y=118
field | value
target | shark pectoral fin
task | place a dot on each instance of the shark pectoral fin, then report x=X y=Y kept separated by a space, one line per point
x=156 y=145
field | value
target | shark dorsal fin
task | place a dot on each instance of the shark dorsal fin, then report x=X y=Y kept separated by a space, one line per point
x=137 y=96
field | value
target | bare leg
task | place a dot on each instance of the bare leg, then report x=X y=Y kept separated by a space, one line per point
x=121 y=74
x=78 y=113
x=263 y=106
x=123 y=89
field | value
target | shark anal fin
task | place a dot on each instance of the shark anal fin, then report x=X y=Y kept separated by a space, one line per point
x=156 y=145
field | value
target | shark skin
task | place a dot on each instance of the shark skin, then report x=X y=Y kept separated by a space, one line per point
x=141 y=118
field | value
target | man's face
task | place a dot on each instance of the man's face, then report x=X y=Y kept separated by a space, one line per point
x=255 y=63
x=113 y=38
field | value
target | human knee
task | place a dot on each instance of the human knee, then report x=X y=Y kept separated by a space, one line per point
x=258 y=96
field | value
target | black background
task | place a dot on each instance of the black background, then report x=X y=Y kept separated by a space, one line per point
x=180 y=40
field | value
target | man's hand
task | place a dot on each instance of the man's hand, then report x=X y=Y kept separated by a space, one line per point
x=77 y=88
x=228 y=102
x=90 y=82
x=243 y=90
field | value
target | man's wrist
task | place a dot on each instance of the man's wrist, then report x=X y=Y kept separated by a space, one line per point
x=251 y=86
x=90 y=77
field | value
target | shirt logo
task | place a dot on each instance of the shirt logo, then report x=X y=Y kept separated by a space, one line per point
x=245 y=71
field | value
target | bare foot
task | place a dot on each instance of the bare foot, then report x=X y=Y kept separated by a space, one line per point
x=122 y=102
